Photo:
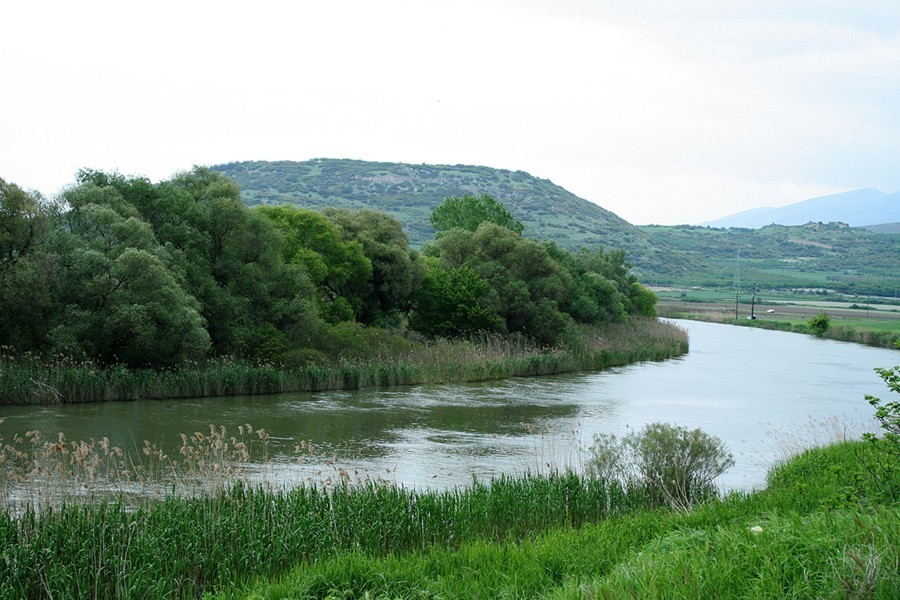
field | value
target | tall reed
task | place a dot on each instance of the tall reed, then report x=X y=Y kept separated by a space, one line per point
x=30 y=379
x=183 y=547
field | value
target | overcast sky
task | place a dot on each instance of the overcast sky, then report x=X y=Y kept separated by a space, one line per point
x=669 y=111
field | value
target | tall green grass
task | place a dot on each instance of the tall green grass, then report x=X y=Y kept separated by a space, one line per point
x=817 y=531
x=29 y=379
x=182 y=547
x=800 y=538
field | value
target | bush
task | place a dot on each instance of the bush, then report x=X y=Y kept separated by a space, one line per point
x=819 y=324
x=675 y=465
x=887 y=445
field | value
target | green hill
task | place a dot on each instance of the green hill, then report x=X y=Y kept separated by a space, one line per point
x=834 y=256
x=411 y=192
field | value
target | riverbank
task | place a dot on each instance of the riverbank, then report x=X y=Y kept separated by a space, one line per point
x=848 y=325
x=824 y=527
x=33 y=380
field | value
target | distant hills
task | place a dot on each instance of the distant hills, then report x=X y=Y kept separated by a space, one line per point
x=850 y=259
x=857 y=208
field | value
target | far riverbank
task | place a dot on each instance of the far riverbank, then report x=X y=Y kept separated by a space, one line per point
x=27 y=379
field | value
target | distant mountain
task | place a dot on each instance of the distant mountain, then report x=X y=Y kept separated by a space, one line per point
x=857 y=208
x=884 y=228
x=410 y=192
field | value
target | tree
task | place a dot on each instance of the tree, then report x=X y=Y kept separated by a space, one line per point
x=455 y=302
x=468 y=212
x=397 y=271
x=27 y=268
x=338 y=267
x=819 y=324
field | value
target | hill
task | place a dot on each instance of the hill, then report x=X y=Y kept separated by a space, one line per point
x=410 y=192
x=884 y=228
x=857 y=208
x=848 y=259
x=834 y=256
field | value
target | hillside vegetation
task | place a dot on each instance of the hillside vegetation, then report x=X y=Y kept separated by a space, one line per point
x=852 y=260
x=410 y=192
x=848 y=259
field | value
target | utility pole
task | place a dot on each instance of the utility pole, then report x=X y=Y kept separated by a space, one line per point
x=753 y=287
x=737 y=283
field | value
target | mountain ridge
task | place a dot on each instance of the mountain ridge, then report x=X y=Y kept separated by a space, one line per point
x=857 y=208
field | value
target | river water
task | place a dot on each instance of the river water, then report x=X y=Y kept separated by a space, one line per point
x=765 y=393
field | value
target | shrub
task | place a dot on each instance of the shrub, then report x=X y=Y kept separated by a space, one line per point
x=887 y=444
x=819 y=324
x=675 y=465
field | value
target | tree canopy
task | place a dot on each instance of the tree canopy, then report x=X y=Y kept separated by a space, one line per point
x=468 y=212
x=120 y=270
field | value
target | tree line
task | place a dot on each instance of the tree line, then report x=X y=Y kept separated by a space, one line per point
x=120 y=270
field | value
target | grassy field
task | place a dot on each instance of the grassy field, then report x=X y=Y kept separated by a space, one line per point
x=856 y=321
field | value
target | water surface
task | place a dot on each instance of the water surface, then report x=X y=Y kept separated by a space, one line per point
x=751 y=387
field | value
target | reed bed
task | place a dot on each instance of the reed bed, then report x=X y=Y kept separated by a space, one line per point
x=183 y=547
x=30 y=379
x=803 y=537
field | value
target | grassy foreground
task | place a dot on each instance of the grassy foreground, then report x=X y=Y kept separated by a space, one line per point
x=34 y=380
x=822 y=529
x=827 y=526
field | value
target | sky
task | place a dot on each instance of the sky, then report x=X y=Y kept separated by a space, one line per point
x=662 y=111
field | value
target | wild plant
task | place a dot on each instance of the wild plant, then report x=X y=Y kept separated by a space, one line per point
x=674 y=465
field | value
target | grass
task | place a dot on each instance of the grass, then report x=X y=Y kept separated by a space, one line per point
x=877 y=333
x=828 y=525
x=28 y=379
x=800 y=538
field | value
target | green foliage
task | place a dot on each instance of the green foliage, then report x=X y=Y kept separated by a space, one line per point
x=468 y=212
x=454 y=302
x=819 y=324
x=26 y=269
x=337 y=267
x=397 y=271
x=887 y=445
x=675 y=465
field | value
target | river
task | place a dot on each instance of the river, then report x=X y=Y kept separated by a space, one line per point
x=765 y=393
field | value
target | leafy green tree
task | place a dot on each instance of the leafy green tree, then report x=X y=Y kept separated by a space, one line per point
x=118 y=298
x=468 y=212
x=397 y=271
x=455 y=302
x=232 y=260
x=527 y=283
x=819 y=324
x=27 y=269
x=339 y=268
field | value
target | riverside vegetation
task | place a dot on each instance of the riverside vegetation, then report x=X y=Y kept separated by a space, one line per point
x=827 y=525
x=121 y=289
